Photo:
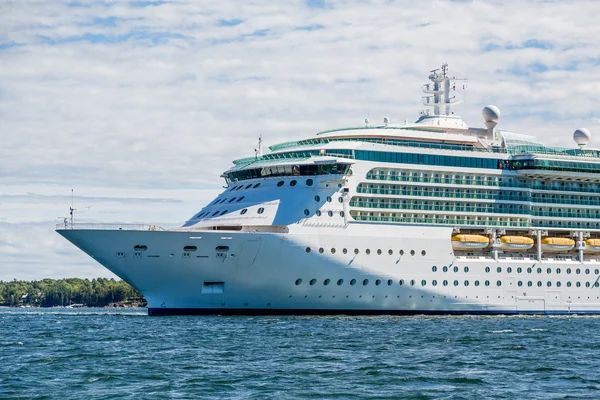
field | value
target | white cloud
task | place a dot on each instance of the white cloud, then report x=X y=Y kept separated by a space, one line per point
x=119 y=100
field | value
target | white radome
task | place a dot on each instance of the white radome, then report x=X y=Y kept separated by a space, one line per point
x=490 y=113
x=582 y=136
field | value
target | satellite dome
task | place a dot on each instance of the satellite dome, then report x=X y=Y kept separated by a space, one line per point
x=490 y=113
x=582 y=136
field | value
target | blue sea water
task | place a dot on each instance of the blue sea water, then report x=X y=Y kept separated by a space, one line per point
x=107 y=354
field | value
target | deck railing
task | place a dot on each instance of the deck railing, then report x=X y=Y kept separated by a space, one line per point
x=109 y=227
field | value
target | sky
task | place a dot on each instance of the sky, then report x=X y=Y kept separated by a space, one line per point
x=133 y=109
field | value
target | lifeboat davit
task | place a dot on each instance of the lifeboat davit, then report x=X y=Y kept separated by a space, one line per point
x=557 y=244
x=469 y=242
x=516 y=243
x=592 y=246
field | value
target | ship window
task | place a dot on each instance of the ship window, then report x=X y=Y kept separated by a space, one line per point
x=341 y=199
x=434 y=268
x=190 y=248
x=455 y=283
x=231 y=200
x=308 y=249
x=280 y=183
x=215 y=213
x=309 y=182
x=445 y=283
x=224 y=212
x=529 y=283
x=568 y=270
x=520 y=283
x=529 y=270
x=313 y=281
x=499 y=269
x=466 y=283
x=333 y=250
x=330 y=213
x=445 y=269
x=519 y=270
x=587 y=284
x=578 y=284
x=340 y=281
x=317 y=198
x=549 y=270
x=321 y=250
x=261 y=210
x=455 y=269
x=326 y=281
x=342 y=214
x=293 y=183
x=423 y=282
x=498 y=283
x=401 y=282
x=539 y=270
x=390 y=252
x=318 y=213
x=306 y=212
x=548 y=283
x=587 y=271
x=476 y=283
x=352 y=282
x=344 y=250
x=379 y=252
x=368 y=251
x=423 y=252
x=412 y=252
x=255 y=186
x=509 y=270
x=539 y=283
x=356 y=251
x=140 y=247
x=377 y=282
x=487 y=269
x=401 y=252
x=248 y=187
x=487 y=283
x=244 y=211
x=558 y=270
x=390 y=282
x=222 y=248
x=240 y=199
x=434 y=282
x=577 y=271
x=596 y=271
x=412 y=282
x=466 y=269
x=329 y=199
x=298 y=281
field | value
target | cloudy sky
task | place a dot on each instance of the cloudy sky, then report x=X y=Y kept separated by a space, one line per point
x=138 y=106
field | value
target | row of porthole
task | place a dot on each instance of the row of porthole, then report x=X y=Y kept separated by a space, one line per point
x=230 y=200
x=520 y=270
x=247 y=187
x=318 y=199
x=434 y=282
x=367 y=251
x=318 y=213
x=309 y=182
x=259 y=211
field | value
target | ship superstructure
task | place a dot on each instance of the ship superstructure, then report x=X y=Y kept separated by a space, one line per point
x=430 y=217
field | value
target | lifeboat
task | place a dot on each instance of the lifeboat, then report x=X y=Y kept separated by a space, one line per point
x=469 y=242
x=557 y=244
x=592 y=246
x=516 y=243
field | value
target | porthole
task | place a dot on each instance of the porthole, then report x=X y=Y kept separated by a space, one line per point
x=455 y=269
x=333 y=250
x=445 y=283
x=445 y=269
x=377 y=282
x=326 y=282
x=596 y=272
x=558 y=270
x=549 y=284
x=321 y=250
x=308 y=249
x=368 y=251
x=401 y=282
x=455 y=283
x=329 y=199
x=313 y=281
x=412 y=252
x=401 y=252
x=280 y=183
x=298 y=281
x=466 y=283
x=587 y=284
x=487 y=269
x=476 y=283
x=423 y=282
x=330 y=213
x=423 y=252
x=390 y=252
x=520 y=283
x=309 y=182
x=529 y=270
x=306 y=212
x=412 y=282
x=261 y=210
x=231 y=200
x=341 y=199
x=344 y=250
x=342 y=214
x=499 y=269
x=587 y=271
x=509 y=270
x=255 y=186
x=577 y=271
x=356 y=251
x=466 y=269
x=548 y=270
x=378 y=252
x=498 y=283
x=340 y=282
x=223 y=213
x=487 y=283
x=558 y=284
x=190 y=248
x=529 y=283
x=568 y=284
x=317 y=199
x=215 y=213
x=539 y=283
x=434 y=268
x=293 y=183
x=248 y=187
x=519 y=270
x=240 y=199
x=539 y=270
x=390 y=282
x=365 y=282
x=568 y=270
x=318 y=213
x=352 y=282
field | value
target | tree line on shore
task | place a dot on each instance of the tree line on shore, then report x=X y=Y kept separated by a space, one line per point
x=48 y=292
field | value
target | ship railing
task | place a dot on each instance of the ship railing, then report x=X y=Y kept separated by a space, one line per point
x=109 y=227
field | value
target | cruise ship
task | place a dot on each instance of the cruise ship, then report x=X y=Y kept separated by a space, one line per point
x=433 y=217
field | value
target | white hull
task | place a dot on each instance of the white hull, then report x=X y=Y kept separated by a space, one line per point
x=259 y=273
